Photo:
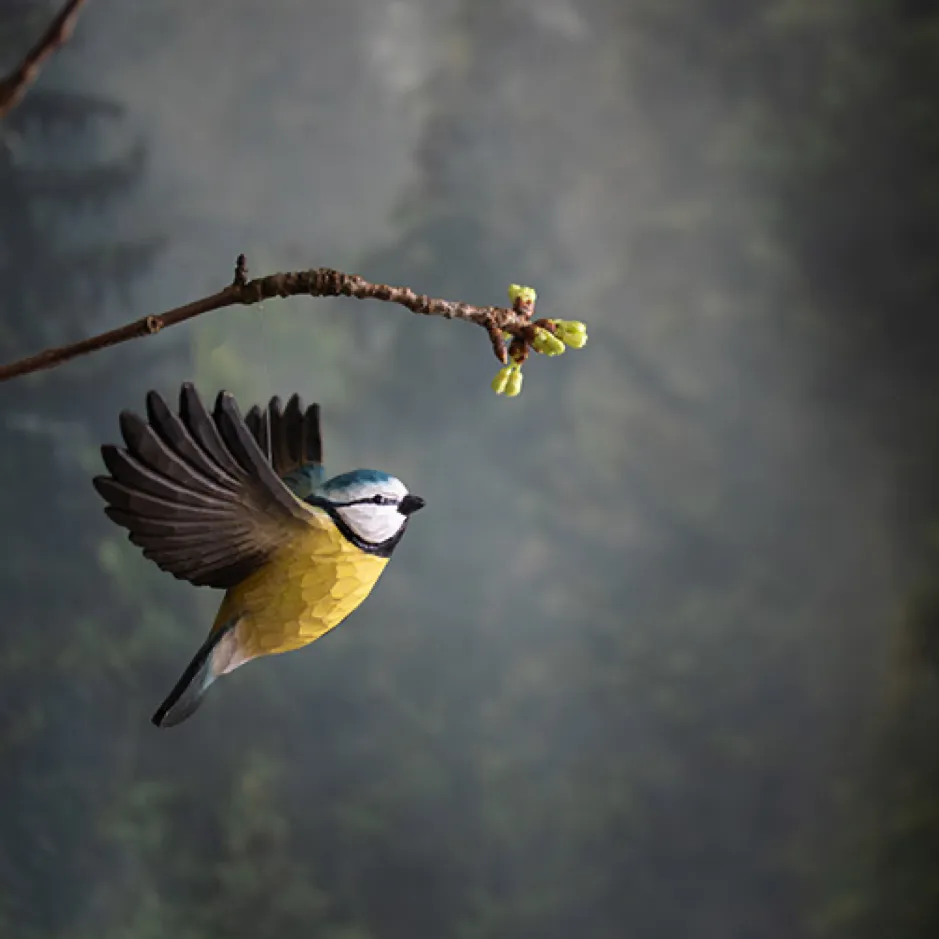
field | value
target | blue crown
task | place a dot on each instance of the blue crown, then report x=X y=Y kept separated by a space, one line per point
x=357 y=477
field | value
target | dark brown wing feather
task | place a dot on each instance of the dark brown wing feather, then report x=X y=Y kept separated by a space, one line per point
x=291 y=435
x=196 y=492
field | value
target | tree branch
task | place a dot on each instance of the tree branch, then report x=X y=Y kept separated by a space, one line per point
x=318 y=282
x=512 y=331
x=15 y=85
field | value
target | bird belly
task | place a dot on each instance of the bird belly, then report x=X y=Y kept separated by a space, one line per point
x=305 y=590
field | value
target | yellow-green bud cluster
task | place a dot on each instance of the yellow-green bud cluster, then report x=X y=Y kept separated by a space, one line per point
x=547 y=343
x=508 y=380
x=572 y=333
x=524 y=295
x=551 y=341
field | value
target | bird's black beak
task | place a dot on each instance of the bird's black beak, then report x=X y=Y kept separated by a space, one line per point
x=410 y=504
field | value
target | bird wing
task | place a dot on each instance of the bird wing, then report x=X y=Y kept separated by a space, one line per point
x=196 y=492
x=292 y=440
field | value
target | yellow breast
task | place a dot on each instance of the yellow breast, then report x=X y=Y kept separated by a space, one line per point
x=305 y=590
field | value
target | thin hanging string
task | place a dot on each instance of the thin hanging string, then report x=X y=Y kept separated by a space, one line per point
x=264 y=347
x=241 y=278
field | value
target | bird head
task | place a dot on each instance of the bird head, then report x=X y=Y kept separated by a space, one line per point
x=372 y=505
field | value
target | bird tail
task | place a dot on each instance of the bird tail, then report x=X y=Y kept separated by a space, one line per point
x=214 y=658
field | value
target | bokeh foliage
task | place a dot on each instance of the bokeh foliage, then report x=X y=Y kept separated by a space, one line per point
x=659 y=658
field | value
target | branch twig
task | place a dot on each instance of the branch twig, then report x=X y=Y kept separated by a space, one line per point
x=318 y=282
x=512 y=331
x=14 y=86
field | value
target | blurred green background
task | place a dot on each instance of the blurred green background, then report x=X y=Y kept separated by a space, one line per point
x=661 y=657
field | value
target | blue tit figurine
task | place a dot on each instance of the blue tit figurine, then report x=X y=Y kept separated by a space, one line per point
x=241 y=504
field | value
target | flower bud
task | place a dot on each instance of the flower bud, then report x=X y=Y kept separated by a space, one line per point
x=547 y=343
x=508 y=381
x=501 y=381
x=572 y=333
x=522 y=295
x=514 y=384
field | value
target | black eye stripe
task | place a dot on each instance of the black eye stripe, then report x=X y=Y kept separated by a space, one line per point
x=370 y=500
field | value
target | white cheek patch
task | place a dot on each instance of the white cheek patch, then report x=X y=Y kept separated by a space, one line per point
x=372 y=523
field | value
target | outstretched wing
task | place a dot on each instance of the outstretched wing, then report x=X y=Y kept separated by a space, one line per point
x=196 y=492
x=292 y=439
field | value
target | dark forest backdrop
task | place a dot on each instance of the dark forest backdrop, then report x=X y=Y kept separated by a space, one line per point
x=661 y=657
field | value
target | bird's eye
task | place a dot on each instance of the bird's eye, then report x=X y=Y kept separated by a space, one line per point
x=377 y=500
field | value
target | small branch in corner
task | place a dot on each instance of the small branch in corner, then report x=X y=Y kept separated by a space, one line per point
x=16 y=84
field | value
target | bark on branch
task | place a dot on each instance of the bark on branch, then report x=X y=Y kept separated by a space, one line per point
x=317 y=282
x=15 y=85
x=514 y=322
